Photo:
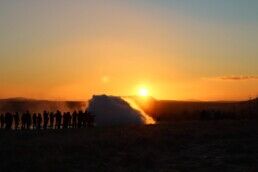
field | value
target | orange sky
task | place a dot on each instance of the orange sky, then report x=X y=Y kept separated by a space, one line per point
x=72 y=50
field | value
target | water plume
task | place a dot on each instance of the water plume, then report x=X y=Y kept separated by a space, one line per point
x=112 y=110
x=147 y=118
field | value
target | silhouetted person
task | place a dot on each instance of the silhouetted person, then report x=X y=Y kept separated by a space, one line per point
x=66 y=120
x=85 y=119
x=69 y=116
x=8 y=121
x=74 y=119
x=23 y=120
x=52 y=118
x=46 y=119
x=16 y=120
x=58 y=119
x=80 y=117
x=2 y=121
x=39 y=121
x=34 y=120
x=27 y=120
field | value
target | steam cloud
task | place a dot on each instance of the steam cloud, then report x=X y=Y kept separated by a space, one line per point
x=110 y=110
x=38 y=106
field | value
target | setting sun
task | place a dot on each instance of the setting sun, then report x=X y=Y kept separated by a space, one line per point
x=143 y=92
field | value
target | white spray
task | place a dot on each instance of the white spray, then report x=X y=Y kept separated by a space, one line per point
x=147 y=118
x=111 y=110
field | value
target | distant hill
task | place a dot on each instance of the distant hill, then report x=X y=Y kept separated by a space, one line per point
x=172 y=110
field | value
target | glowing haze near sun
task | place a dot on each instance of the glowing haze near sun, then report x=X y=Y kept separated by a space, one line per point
x=147 y=118
x=143 y=92
x=63 y=49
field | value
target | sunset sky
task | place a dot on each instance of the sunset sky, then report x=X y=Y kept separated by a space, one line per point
x=177 y=49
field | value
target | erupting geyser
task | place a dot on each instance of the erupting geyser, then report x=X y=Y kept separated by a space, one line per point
x=111 y=110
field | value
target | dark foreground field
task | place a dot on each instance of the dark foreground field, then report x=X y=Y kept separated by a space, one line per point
x=184 y=146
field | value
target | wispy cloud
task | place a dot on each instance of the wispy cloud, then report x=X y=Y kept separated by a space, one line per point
x=234 y=78
x=239 y=78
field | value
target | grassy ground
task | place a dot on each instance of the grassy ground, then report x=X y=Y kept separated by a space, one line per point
x=182 y=146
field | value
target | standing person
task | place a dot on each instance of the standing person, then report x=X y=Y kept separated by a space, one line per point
x=23 y=120
x=66 y=119
x=69 y=116
x=52 y=117
x=46 y=119
x=80 y=116
x=28 y=120
x=87 y=116
x=8 y=121
x=16 y=120
x=34 y=120
x=58 y=119
x=39 y=121
x=74 y=119
x=84 y=119
x=2 y=121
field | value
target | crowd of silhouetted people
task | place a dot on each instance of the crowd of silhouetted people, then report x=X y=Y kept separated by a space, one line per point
x=47 y=120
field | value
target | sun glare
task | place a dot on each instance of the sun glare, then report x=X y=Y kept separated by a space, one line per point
x=143 y=92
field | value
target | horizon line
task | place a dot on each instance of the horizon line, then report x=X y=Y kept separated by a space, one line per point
x=87 y=99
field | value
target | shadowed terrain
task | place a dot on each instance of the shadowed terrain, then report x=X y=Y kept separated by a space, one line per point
x=180 y=146
x=167 y=110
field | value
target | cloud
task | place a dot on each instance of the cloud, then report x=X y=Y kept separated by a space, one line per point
x=234 y=78
x=237 y=78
